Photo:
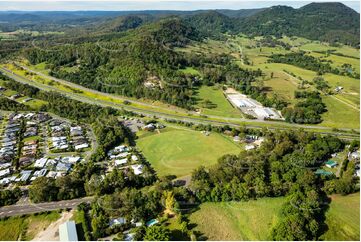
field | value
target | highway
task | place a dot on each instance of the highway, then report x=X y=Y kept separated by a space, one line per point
x=221 y=121
x=30 y=208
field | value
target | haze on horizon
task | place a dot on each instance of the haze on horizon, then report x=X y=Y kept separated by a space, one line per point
x=136 y=5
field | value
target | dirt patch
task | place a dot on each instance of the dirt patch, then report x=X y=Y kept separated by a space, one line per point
x=51 y=233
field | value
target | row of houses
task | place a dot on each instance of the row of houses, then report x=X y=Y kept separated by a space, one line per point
x=58 y=135
x=122 y=157
x=9 y=140
x=78 y=138
x=49 y=167
x=65 y=137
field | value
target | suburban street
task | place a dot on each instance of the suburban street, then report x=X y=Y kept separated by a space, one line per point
x=29 y=208
x=190 y=118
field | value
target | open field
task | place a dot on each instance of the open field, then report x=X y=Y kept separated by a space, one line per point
x=253 y=220
x=26 y=227
x=179 y=151
x=250 y=220
x=343 y=218
x=215 y=95
x=339 y=115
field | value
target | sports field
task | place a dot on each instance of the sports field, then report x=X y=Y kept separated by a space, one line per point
x=179 y=151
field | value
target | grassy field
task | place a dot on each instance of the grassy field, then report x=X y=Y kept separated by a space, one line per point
x=343 y=218
x=222 y=107
x=339 y=115
x=179 y=151
x=251 y=220
x=27 y=227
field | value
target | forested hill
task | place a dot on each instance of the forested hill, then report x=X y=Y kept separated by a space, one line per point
x=330 y=22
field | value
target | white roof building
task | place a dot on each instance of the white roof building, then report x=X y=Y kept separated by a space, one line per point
x=5 y=172
x=117 y=221
x=138 y=169
x=71 y=159
x=249 y=147
x=82 y=146
x=67 y=231
x=120 y=162
x=40 y=163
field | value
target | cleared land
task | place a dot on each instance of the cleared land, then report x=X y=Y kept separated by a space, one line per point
x=179 y=151
x=253 y=220
x=250 y=220
x=221 y=107
x=27 y=227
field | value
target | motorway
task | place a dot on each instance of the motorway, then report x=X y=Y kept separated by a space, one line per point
x=221 y=121
x=30 y=208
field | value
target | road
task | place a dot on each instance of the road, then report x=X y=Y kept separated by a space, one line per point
x=29 y=208
x=233 y=122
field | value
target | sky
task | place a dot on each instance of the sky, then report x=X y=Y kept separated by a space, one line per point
x=119 y=5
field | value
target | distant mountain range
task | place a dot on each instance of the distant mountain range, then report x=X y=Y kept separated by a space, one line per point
x=331 y=22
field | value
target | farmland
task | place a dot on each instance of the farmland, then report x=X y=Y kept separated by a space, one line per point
x=179 y=151
x=278 y=79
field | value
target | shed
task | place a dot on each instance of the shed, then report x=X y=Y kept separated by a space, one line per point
x=331 y=164
x=67 y=231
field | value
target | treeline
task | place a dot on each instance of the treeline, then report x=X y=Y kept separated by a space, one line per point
x=304 y=61
x=11 y=105
x=9 y=197
x=306 y=111
x=301 y=59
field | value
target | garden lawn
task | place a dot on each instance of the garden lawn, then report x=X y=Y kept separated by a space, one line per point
x=180 y=151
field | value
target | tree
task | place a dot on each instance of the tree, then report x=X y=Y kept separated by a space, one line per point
x=157 y=233
x=43 y=189
x=169 y=201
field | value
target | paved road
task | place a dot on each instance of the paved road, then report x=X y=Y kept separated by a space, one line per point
x=29 y=208
x=198 y=120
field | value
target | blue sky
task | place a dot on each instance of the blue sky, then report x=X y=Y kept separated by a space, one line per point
x=68 y=5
